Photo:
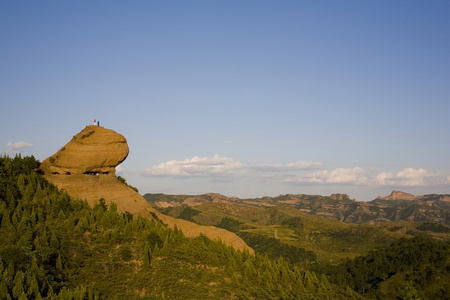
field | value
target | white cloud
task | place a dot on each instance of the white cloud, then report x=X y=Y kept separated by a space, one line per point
x=294 y=166
x=221 y=166
x=119 y=169
x=413 y=177
x=356 y=176
x=16 y=147
x=197 y=166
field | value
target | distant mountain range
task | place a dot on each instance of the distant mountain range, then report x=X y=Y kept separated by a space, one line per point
x=395 y=207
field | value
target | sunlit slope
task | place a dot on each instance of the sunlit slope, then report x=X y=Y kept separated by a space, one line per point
x=85 y=168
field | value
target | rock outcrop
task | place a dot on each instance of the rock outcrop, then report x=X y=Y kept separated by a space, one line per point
x=94 y=151
x=397 y=195
x=85 y=169
x=340 y=197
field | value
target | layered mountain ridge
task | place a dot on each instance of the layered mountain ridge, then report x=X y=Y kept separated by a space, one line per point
x=395 y=207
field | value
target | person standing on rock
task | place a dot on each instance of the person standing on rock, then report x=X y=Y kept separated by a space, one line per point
x=95 y=121
x=98 y=123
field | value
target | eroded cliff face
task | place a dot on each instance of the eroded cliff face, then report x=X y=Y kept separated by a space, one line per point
x=85 y=169
x=397 y=195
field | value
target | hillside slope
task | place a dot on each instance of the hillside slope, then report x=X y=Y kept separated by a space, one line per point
x=285 y=231
x=85 y=169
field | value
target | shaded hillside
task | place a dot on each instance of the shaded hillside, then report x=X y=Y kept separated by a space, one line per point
x=417 y=268
x=432 y=208
x=301 y=238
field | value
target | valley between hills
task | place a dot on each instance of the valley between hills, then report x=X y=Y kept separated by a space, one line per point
x=327 y=228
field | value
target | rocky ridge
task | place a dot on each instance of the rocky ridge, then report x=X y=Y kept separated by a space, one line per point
x=85 y=169
x=396 y=207
x=397 y=195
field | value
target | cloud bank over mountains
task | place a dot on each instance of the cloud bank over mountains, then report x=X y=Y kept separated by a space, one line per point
x=221 y=166
x=298 y=173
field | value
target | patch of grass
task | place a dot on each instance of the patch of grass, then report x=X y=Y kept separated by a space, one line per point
x=87 y=134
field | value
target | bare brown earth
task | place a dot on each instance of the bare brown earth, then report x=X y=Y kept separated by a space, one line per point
x=85 y=169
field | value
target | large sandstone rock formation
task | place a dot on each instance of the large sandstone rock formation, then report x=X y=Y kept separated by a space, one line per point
x=95 y=150
x=85 y=168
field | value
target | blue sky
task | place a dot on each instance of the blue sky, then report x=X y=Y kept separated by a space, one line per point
x=243 y=98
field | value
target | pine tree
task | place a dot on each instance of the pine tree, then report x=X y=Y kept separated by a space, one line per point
x=235 y=279
x=23 y=296
x=147 y=256
x=267 y=276
x=165 y=248
x=61 y=215
x=26 y=240
x=34 y=269
x=17 y=289
x=127 y=231
x=54 y=242
x=33 y=289
x=40 y=194
x=15 y=220
x=113 y=207
x=230 y=267
x=70 y=222
x=105 y=220
x=6 y=221
x=59 y=263
x=10 y=200
x=299 y=284
x=21 y=182
x=82 y=225
x=6 y=278
x=4 y=294
x=284 y=277
x=50 y=292
x=156 y=251
x=8 y=274
x=28 y=193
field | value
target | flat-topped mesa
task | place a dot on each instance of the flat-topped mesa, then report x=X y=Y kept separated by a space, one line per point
x=397 y=195
x=94 y=151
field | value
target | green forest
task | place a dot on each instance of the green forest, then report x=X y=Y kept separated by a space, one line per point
x=55 y=247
